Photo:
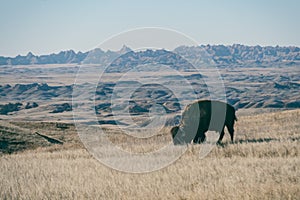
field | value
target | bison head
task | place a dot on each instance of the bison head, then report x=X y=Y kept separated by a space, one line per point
x=178 y=135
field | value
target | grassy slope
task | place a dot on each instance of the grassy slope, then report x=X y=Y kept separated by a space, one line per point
x=262 y=164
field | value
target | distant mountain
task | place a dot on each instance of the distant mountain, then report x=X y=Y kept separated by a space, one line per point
x=241 y=54
x=62 y=57
x=221 y=55
x=156 y=58
x=66 y=57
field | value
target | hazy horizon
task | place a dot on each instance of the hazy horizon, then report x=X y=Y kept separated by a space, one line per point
x=105 y=50
x=44 y=26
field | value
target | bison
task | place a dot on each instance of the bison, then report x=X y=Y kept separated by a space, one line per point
x=201 y=116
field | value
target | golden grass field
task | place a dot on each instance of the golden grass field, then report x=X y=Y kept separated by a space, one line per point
x=263 y=163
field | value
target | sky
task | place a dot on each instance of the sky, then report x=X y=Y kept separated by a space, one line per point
x=49 y=26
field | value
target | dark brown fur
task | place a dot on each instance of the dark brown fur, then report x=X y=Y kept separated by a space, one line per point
x=202 y=116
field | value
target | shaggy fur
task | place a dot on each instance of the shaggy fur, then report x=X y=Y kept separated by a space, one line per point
x=201 y=116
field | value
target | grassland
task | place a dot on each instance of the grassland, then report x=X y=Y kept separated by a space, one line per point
x=263 y=163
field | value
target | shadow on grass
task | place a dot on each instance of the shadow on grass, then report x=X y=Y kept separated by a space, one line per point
x=247 y=141
x=259 y=140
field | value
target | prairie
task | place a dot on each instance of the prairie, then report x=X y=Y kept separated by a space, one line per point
x=262 y=163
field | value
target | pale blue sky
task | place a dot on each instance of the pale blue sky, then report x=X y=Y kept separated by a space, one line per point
x=49 y=26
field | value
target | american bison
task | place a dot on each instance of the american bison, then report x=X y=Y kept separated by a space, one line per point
x=201 y=116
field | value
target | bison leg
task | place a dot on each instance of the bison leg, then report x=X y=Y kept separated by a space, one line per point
x=199 y=138
x=202 y=139
x=221 y=136
x=231 y=132
x=196 y=140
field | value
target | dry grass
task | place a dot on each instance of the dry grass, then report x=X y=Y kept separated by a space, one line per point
x=262 y=164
